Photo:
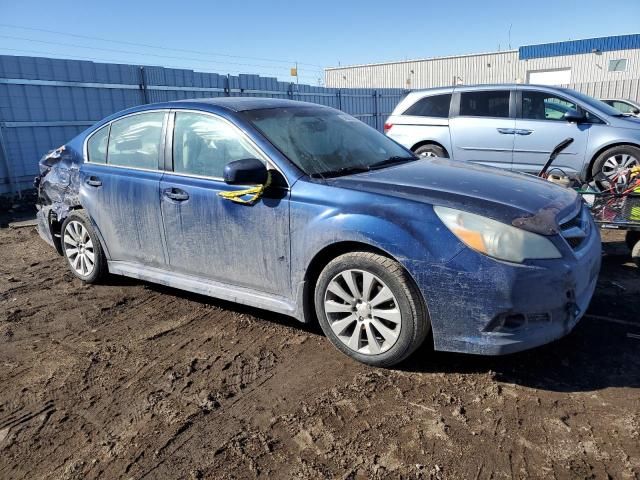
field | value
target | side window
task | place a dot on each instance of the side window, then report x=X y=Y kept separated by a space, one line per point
x=622 y=106
x=203 y=145
x=97 y=146
x=135 y=141
x=544 y=106
x=485 y=104
x=433 y=106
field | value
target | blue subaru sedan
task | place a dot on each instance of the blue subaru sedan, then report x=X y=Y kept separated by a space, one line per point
x=304 y=210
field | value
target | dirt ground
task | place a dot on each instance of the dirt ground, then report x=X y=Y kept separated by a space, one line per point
x=134 y=380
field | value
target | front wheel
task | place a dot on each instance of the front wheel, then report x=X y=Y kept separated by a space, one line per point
x=369 y=308
x=82 y=249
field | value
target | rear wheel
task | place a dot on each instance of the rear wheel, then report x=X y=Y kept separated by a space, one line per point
x=635 y=253
x=631 y=238
x=82 y=248
x=370 y=309
x=431 y=151
x=609 y=167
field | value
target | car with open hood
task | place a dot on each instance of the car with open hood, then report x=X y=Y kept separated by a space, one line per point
x=303 y=210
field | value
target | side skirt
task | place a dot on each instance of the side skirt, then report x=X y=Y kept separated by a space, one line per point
x=210 y=288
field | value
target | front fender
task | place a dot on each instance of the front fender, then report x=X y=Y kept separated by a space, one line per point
x=407 y=231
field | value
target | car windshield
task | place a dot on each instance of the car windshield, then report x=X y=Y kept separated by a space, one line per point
x=323 y=142
x=595 y=103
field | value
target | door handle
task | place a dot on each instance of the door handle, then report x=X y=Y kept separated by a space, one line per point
x=94 y=181
x=522 y=131
x=506 y=131
x=176 y=194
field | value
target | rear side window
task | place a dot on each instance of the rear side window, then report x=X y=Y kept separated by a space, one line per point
x=433 y=106
x=97 y=146
x=135 y=141
x=485 y=104
x=203 y=145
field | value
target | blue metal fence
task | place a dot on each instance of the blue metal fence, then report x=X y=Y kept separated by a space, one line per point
x=45 y=102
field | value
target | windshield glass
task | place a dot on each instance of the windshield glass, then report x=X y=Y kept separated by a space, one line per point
x=595 y=103
x=325 y=142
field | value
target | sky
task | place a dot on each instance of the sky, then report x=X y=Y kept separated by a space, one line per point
x=268 y=37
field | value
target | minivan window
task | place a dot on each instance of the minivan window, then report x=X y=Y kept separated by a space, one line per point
x=135 y=141
x=432 y=106
x=485 y=104
x=545 y=106
x=97 y=146
x=203 y=145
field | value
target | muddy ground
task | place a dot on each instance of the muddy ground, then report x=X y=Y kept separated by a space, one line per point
x=134 y=380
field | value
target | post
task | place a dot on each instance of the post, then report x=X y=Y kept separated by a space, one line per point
x=375 y=108
x=227 y=88
x=143 y=86
x=15 y=187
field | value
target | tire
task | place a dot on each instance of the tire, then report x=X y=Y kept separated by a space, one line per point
x=431 y=150
x=631 y=238
x=635 y=253
x=78 y=235
x=402 y=335
x=605 y=163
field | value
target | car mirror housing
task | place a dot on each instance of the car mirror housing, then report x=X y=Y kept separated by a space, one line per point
x=248 y=171
x=573 y=116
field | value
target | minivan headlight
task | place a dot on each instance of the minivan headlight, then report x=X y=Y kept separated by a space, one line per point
x=496 y=239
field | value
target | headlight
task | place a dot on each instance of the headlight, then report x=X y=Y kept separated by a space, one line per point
x=496 y=239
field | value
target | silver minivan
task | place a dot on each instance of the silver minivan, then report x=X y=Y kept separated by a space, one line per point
x=516 y=126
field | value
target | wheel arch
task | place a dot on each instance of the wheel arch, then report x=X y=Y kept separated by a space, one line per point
x=586 y=173
x=430 y=142
x=328 y=253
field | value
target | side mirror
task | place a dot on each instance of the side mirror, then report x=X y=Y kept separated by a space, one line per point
x=249 y=171
x=573 y=116
x=634 y=111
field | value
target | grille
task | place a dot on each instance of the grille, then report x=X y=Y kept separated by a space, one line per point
x=576 y=230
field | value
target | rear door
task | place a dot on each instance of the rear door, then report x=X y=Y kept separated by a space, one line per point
x=540 y=126
x=483 y=126
x=120 y=182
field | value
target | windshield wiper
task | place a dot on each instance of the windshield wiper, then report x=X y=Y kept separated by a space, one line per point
x=392 y=161
x=340 y=172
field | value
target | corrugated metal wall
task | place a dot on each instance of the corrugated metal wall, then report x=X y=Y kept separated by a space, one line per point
x=45 y=102
x=497 y=67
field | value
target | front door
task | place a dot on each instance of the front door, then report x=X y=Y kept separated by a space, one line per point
x=540 y=127
x=120 y=184
x=212 y=237
x=482 y=131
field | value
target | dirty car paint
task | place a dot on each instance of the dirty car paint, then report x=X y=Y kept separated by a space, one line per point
x=268 y=248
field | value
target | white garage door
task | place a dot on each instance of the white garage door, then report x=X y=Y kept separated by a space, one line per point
x=550 y=77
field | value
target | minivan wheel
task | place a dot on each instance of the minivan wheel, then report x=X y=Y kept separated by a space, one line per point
x=369 y=308
x=613 y=161
x=431 y=151
x=82 y=248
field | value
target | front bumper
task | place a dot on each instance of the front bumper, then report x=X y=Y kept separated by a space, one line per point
x=484 y=306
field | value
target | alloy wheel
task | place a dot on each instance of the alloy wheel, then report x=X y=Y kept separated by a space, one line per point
x=78 y=248
x=616 y=164
x=362 y=312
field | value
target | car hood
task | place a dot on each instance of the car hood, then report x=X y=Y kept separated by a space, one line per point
x=518 y=199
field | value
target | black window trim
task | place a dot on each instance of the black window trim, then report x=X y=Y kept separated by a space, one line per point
x=455 y=103
x=161 y=147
